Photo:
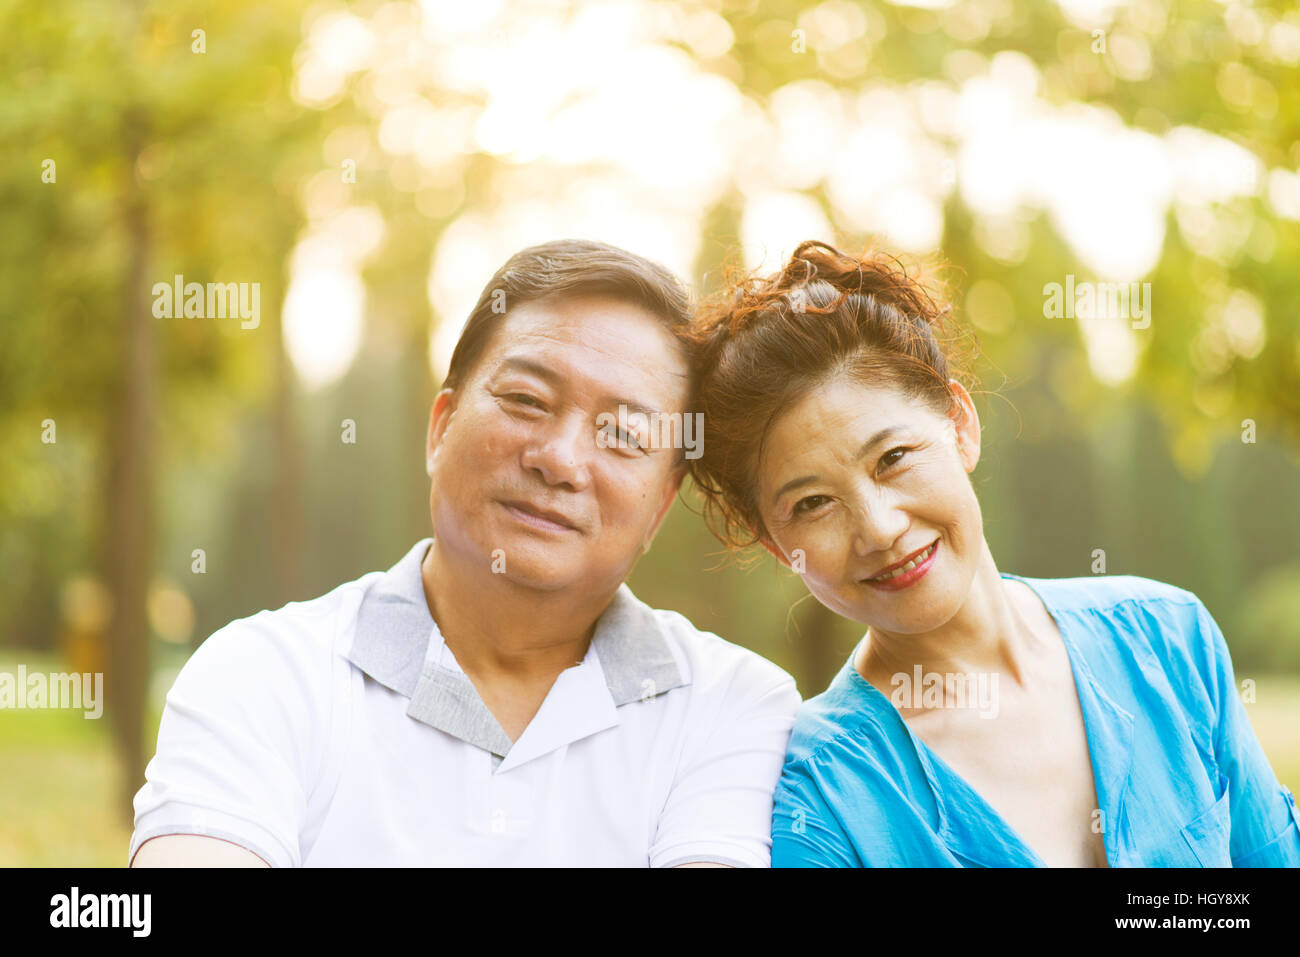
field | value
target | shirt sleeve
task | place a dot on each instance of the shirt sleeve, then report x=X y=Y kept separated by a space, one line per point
x=719 y=808
x=805 y=832
x=1265 y=828
x=235 y=745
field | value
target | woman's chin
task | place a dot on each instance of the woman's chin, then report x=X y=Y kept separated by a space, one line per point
x=892 y=612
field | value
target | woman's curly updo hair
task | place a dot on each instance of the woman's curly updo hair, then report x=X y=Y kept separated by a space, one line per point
x=765 y=342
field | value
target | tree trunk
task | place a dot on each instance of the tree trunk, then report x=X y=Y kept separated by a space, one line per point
x=128 y=529
x=287 y=494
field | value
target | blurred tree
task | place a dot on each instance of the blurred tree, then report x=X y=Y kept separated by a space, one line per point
x=173 y=148
x=148 y=140
x=1157 y=66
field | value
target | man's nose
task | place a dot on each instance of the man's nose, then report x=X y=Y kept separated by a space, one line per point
x=560 y=452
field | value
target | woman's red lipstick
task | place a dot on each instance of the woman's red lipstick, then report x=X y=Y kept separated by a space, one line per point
x=913 y=575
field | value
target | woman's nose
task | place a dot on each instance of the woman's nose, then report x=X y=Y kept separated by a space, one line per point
x=878 y=522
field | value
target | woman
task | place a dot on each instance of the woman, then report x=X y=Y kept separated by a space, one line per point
x=984 y=718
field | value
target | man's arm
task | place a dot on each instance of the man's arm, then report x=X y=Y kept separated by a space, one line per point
x=719 y=809
x=192 y=850
x=241 y=737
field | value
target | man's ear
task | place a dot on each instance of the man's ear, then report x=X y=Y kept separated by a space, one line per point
x=444 y=407
x=966 y=421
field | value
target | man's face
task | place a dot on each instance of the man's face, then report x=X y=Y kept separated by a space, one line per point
x=523 y=484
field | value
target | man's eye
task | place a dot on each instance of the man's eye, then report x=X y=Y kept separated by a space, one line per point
x=627 y=443
x=809 y=504
x=520 y=398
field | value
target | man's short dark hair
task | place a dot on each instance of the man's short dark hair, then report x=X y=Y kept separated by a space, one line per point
x=563 y=268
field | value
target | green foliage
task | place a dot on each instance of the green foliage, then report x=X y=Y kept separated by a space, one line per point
x=212 y=152
x=1269 y=636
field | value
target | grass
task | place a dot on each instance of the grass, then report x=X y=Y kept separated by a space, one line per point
x=59 y=779
x=1275 y=716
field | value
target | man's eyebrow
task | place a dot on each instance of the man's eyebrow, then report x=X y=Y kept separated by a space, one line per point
x=549 y=375
x=862 y=453
x=531 y=366
x=631 y=405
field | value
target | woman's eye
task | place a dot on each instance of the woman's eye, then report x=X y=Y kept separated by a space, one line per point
x=809 y=504
x=892 y=456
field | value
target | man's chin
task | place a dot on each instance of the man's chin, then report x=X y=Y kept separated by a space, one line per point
x=547 y=579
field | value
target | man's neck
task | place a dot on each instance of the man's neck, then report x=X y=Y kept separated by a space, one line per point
x=499 y=629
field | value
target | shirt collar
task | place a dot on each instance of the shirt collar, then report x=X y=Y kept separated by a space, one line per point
x=397 y=643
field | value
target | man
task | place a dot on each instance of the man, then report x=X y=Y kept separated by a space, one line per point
x=499 y=696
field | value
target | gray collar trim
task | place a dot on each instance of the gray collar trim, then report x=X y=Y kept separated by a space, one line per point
x=392 y=644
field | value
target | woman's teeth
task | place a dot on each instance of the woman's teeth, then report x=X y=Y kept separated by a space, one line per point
x=905 y=568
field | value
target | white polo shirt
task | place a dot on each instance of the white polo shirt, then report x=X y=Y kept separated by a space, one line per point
x=341 y=732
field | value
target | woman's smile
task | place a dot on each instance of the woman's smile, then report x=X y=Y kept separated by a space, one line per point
x=906 y=573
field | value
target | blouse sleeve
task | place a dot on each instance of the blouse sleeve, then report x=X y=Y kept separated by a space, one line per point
x=805 y=832
x=1265 y=829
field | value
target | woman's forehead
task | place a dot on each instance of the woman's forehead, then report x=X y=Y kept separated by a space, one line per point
x=829 y=423
x=840 y=403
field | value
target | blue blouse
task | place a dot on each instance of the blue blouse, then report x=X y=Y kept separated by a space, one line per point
x=1181 y=779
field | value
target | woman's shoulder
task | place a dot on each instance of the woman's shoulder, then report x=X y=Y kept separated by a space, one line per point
x=848 y=724
x=1104 y=592
x=851 y=777
x=1116 y=615
x=1172 y=620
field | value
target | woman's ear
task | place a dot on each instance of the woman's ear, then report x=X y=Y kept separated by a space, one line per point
x=966 y=422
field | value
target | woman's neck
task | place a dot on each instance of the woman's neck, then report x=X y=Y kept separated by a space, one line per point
x=989 y=633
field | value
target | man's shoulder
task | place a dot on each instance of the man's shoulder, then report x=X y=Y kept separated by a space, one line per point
x=710 y=661
x=298 y=640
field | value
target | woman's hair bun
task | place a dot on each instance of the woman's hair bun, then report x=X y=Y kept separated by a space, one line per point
x=767 y=340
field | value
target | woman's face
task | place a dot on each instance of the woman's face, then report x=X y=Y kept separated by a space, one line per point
x=858 y=481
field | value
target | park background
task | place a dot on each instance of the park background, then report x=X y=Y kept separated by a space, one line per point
x=371 y=164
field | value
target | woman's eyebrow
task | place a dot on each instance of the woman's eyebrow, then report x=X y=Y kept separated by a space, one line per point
x=867 y=446
x=879 y=437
